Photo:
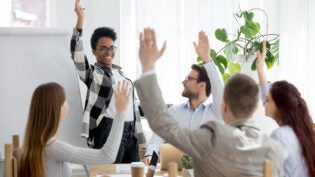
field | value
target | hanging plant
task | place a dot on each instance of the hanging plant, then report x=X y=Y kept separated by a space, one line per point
x=242 y=46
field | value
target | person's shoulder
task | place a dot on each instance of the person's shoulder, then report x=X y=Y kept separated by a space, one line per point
x=282 y=131
x=178 y=107
x=208 y=101
x=57 y=144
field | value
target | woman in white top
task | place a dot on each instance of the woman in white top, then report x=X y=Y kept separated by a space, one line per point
x=43 y=155
x=283 y=103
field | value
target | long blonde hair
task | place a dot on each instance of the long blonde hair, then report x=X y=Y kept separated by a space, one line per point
x=42 y=124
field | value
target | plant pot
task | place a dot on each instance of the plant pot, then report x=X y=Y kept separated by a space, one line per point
x=247 y=64
x=188 y=172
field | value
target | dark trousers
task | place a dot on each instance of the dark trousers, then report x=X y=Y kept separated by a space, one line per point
x=128 y=151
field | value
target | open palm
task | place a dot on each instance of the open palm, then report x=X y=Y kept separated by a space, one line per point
x=122 y=95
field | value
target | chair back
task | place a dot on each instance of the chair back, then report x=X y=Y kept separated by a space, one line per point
x=169 y=153
x=12 y=157
x=16 y=149
x=267 y=168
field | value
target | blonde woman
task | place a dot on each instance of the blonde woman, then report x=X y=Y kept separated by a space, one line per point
x=43 y=154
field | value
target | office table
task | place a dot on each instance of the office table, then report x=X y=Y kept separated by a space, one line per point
x=124 y=170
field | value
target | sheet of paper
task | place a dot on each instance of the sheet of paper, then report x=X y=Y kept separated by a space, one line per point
x=123 y=168
x=126 y=175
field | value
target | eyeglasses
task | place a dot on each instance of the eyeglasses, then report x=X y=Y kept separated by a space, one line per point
x=188 y=78
x=107 y=49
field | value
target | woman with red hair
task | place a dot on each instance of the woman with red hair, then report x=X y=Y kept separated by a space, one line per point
x=283 y=103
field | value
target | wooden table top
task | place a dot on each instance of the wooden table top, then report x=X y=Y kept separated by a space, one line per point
x=110 y=169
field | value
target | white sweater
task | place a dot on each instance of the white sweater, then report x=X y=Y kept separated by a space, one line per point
x=60 y=153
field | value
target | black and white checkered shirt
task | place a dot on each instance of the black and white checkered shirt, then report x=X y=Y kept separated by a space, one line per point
x=99 y=80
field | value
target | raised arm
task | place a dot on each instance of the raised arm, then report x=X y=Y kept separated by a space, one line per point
x=262 y=79
x=76 y=46
x=203 y=47
x=148 y=50
x=260 y=63
x=80 y=14
x=203 y=51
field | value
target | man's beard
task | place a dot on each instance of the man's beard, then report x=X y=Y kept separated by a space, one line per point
x=189 y=94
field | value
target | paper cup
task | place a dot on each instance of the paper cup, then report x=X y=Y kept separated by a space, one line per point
x=137 y=169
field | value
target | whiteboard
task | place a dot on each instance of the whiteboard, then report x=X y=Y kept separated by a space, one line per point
x=30 y=57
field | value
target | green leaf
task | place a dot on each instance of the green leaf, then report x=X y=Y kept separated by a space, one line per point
x=272 y=55
x=267 y=45
x=230 y=50
x=226 y=76
x=221 y=62
x=253 y=67
x=221 y=35
x=248 y=16
x=250 y=29
x=254 y=47
x=187 y=161
x=270 y=59
x=234 y=68
x=275 y=49
x=213 y=53
x=199 y=60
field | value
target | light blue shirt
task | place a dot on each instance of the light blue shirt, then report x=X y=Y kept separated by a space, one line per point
x=205 y=112
x=293 y=159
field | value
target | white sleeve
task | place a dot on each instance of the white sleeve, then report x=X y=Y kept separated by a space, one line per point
x=154 y=144
x=217 y=87
x=264 y=89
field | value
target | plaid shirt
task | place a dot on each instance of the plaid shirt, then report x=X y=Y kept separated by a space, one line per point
x=99 y=80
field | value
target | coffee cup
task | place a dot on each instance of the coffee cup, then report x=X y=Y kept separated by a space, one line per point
x=137 y=169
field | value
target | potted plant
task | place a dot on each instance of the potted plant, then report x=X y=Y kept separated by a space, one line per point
x=241 y=47
x=188 y=165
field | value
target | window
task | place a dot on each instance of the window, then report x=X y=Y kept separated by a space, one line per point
x=23 y=13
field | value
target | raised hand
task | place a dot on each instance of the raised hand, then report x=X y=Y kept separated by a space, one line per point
x=260 y=62
x=122 y=95
x=261 y=56
x=80 y=14
x=203 y=47
x=148 y=50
